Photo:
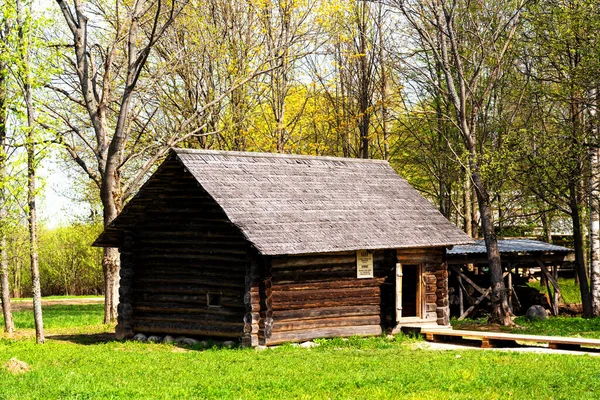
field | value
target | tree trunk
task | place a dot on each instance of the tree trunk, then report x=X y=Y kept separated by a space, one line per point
x=31 y=178
x=364 y=76
x=500 y=309
x=110 y=260
x=9 y=325
x=468 y=205
x=586 y=298
x=4 y=278
x=33 y=241
x=594 y=193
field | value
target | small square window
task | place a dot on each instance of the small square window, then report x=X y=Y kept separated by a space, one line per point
x=213 y=299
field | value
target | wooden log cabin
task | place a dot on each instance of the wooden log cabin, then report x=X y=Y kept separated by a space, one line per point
x=271 y=248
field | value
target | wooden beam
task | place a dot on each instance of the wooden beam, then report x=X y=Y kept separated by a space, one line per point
x=479 y=300
x=461 y=305
x=466 y=278
x=550 y=278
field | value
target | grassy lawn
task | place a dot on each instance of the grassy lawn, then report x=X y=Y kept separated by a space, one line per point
x=25 y=299
x=568 y=288
x=79 y=361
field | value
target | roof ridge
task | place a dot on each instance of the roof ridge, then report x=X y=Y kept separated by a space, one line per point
x=278 y=155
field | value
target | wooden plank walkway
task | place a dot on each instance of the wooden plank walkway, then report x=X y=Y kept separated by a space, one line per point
x=498 y=339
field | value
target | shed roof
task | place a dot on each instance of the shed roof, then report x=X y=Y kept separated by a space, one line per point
x=290 y=204
x=509 y=246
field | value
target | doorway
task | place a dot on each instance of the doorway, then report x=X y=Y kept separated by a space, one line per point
x=408 y=291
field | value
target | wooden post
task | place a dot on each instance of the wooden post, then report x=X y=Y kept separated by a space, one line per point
x=510 y=290
x=398 y=292
x=554 y=282
x=461 y=305
x=555 y=276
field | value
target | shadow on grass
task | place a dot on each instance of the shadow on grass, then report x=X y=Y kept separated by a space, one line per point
x=85 y=339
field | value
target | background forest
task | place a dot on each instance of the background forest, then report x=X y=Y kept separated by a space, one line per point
x=489 y=108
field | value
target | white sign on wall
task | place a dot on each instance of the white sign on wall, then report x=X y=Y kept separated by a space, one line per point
x=364 y=264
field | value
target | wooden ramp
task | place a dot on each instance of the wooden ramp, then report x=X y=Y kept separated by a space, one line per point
x=498 y=339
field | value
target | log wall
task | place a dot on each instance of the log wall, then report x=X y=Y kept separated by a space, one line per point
x=182 y=247
x=311 y=296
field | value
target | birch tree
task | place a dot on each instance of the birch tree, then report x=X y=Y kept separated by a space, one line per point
x=24 y=75
x=5 y=57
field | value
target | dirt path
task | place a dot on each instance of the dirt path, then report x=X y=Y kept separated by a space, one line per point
x=27 y=304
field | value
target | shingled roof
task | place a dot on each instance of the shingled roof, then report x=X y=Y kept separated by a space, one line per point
x=509 y=246
x=290 y=204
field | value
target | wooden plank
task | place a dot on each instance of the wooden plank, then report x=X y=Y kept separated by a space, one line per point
x=478 y=335
x=348 y=301
x=325 y=312
x=281 y=263
x=299 y=336
x=479 y=300
x=186 y=329
x=466 y=278
x=308 y=295
x=345 y=283
x=298 y=325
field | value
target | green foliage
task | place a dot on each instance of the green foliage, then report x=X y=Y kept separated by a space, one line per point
x=68 y=263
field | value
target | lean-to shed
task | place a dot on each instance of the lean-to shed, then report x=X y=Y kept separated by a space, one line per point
x=270 y=248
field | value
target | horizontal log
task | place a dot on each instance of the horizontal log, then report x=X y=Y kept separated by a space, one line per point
x=325 y=312
x=207 y=284
x=141 y=287
x=348 y=301
x=152 y=298
x=192 y=269
x=283 y=326
x=277 y=263
x=174 y=242
x=182 y=308
x=346 y=283
x=212 y=322
x=198 y=255
x=314 y=277
x=304 y=295
x=345 y=331
x=188 y=329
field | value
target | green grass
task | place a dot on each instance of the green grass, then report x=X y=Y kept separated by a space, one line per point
x=24 y=299
x=79 y=366
x=62 y=316
x=568 y=288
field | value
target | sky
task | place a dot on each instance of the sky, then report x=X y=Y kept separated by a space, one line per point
x=56 y=207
